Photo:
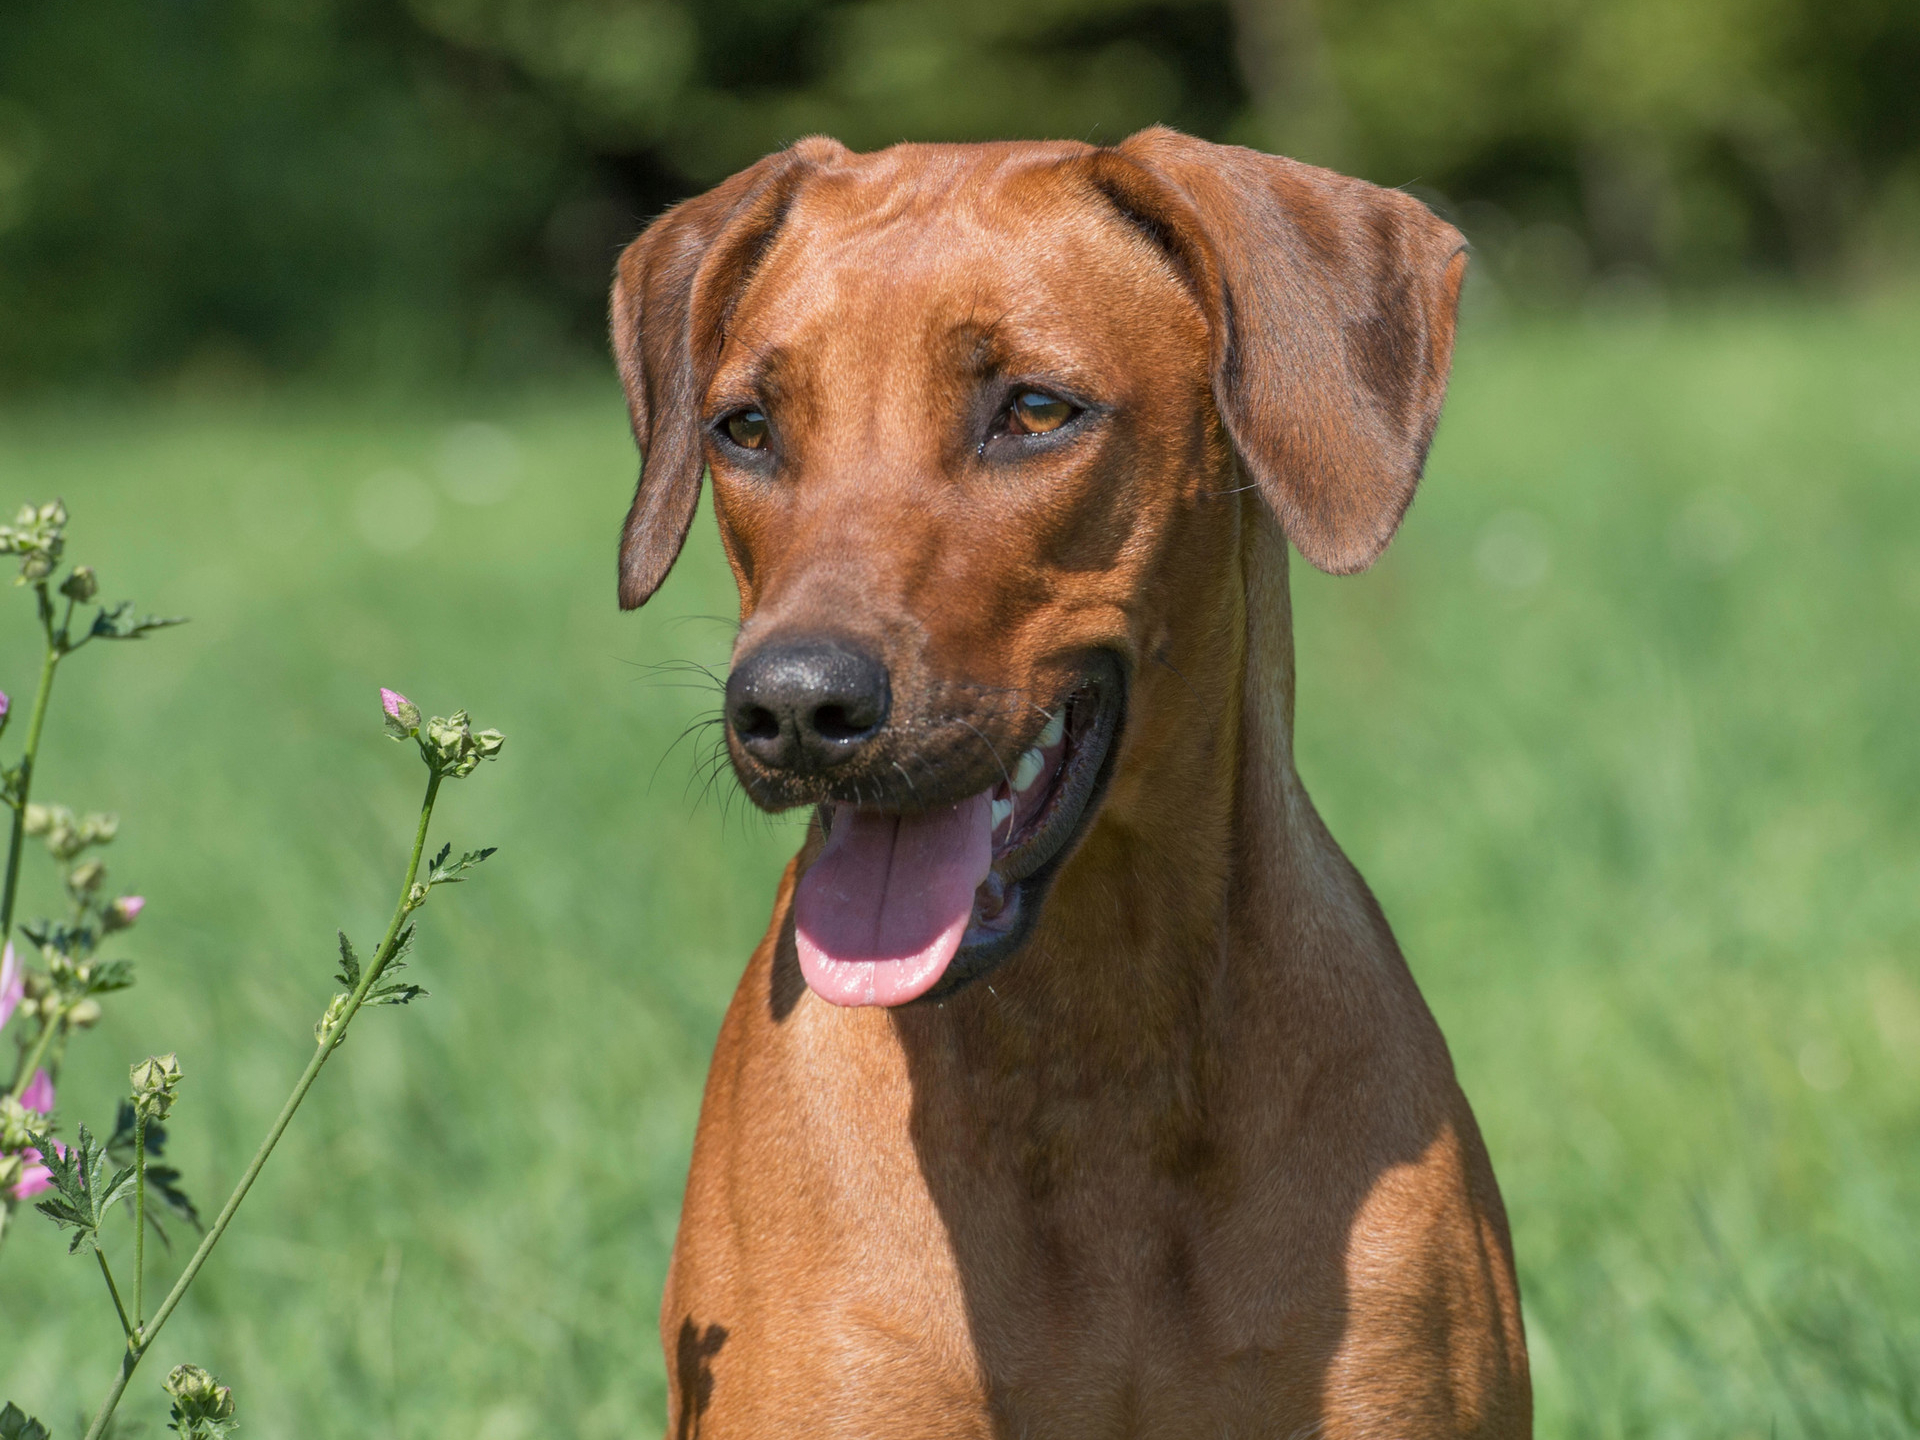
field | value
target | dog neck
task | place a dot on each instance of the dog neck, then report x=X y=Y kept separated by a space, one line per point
x=1147 y=935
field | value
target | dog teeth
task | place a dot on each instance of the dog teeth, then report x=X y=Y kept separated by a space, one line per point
x=1028 y=770
x=1001 y=810
x=1056 y=727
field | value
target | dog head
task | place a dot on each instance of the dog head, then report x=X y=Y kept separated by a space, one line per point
x=967 y=410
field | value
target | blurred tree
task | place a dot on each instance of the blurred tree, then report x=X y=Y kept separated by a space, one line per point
x=245 y=183
x=441 y=184
x=1686 y=139
x=712 y=86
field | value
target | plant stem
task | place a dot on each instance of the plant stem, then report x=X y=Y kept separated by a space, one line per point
x=139 y=1219
x=30 y=1058
x=328 y=1044
x=113 y=1290
x=34 y=725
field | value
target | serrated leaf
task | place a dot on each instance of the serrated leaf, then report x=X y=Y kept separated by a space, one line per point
x=349 y=975
x=445 y=874
x=395 y=994
x=85 y=1189
x=163 y=1181
x=16 y=1424
x=120 y=1143
x=113 y=622
x=110 y=975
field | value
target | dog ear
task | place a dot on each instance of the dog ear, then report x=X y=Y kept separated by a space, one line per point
x=673 y=290
x=1331 y=304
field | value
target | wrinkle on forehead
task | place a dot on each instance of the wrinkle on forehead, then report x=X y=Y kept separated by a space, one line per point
x=978 y=268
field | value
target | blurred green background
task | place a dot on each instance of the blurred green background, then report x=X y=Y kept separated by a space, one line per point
x=412 y=189
x=300 y=307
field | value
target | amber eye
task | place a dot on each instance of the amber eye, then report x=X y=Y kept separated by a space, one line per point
x=1036 y=413
x=747 y=429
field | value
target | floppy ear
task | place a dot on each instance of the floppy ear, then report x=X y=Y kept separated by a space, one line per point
x=1331 y=305
x=672 y=293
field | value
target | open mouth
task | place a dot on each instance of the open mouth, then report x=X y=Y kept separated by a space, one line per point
x=906 y=907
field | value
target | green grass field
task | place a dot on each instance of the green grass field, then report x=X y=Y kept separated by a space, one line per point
x=1623 y=731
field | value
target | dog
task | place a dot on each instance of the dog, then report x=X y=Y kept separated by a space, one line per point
x=1078 y=1087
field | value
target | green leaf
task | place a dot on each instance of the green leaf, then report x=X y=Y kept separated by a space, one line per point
x=445 y=874
x=109 y=975
x=163 y=1181
x=390 y=992
x=114 y=623
x=16 y=1424
x=85 y=1189
x=349 y=975
x=394 y=994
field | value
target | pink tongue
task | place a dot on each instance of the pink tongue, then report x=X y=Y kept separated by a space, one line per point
x=878 y=917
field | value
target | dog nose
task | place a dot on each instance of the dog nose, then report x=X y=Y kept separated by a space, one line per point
x=807 y=705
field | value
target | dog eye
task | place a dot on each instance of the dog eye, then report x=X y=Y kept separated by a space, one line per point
x=1036 y=413
x=747 y=429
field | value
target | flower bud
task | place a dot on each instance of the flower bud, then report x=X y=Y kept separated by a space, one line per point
x=80 y=585
x=452 y=747
x=122 y=913
x=84 y=1015
x=15 y=1122
x=63 y=834
x=402 y=715
x=325 y=1031
x=35 y=537
x=154 y=1081
x=99 y=829
x=196 y=1396
x=38 y=819
x=85 y=877
x=416 y=896
x=6 y=709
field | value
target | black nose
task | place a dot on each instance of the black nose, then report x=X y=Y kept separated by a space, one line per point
x=808 y=704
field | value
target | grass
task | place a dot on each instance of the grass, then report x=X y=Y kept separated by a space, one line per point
x=1622 y=730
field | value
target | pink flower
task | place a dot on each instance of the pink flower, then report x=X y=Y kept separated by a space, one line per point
x=38 y=1097
x=35 y=1177
x=123 y=912
x=5 y=704
x=403 y=716
x=13 y=984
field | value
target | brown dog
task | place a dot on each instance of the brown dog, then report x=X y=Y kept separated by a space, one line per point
x=1125 y=1117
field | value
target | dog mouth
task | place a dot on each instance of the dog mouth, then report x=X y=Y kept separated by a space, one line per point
x=904 y=907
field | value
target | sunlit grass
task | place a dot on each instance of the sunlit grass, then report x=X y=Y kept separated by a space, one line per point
x=1623 y=731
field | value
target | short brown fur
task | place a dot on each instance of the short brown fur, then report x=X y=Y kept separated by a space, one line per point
x=1194 y=1162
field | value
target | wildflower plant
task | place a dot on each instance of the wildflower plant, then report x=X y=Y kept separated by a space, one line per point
x=78 y=1183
